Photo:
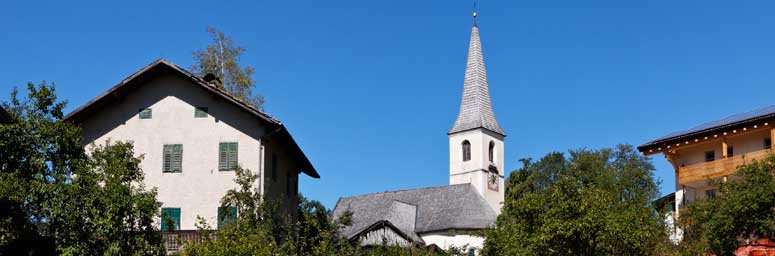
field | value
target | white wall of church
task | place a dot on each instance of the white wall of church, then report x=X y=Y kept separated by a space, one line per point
x=198 y=189
x=472 y=171
x=445 y=240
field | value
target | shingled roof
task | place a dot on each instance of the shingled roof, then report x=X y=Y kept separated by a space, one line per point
x=442 y=208
x=162 y=66
x=476 y=107
x=725 y=124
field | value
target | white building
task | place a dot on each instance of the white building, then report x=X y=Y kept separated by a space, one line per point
x=444 y=216
x=191 y=135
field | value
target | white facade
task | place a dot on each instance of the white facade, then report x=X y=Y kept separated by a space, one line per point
x=199 y=187
x=485 y=175
x=446 y=240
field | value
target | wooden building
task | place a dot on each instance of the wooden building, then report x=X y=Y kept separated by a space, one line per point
x=713 y=151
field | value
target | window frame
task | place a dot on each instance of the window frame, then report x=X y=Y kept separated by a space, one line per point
x=491 y=152
x=145 y=113
x=466 y=145
x=201 y=112
x=222 y=219
x=228 y=156
x=710 y=156
x=172 y=161
x=767 y=143
x=170 y=212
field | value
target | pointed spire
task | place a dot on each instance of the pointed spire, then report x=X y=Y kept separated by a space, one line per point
x=476 y=107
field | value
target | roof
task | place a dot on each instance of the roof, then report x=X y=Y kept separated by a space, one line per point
x=727 y=123
x=5 y=118
x=162 y=66
x=476 y=107
x=437 y=209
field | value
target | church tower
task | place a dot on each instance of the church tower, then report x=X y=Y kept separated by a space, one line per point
x=476 y=139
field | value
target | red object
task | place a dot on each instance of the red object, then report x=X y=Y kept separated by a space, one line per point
x=759 y=247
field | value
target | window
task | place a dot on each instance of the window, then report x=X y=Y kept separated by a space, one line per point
x=227 y=156
x=201 y=112
x=226 y=216
x=466 y=150
x=145 y=113
x=492 y=152
x=767 y=143
x=170 y=219
x=710 y=156
x=710 y=193
x=173 y=158
x=730 y=151
x=274 y=167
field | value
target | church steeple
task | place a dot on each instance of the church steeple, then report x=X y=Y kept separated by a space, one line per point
x=476 y=140
x=476 y=107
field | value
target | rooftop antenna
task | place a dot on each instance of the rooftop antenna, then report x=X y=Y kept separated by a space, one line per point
x=476 y=11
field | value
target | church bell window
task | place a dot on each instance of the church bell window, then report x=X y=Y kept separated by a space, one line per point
x=466 y=150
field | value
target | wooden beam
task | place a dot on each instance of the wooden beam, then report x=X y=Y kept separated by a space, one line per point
x=724 y=147
x=673 y=159
x=772 y=139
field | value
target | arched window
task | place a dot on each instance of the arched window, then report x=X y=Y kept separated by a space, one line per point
x=466 y=150
x=492 y=152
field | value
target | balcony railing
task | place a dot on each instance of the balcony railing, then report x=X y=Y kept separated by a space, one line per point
x=719 y=167
x=174 y=240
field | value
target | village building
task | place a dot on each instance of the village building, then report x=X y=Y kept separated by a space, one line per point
x=192 y=135
x=711 y=151
x=444 y=216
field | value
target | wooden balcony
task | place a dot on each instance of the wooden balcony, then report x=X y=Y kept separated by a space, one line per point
x=719 y=167
x=175 y=240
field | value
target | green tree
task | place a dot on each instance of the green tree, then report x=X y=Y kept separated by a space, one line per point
x=742 y=210
x=262 y=228
x=221 y=58
x=54 y=198
x=595 y=202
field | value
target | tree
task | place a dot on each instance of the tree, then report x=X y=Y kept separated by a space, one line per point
x=56 y=199
x=221 y=58
x=742 y=210
x=596 y=202
x=262 y=228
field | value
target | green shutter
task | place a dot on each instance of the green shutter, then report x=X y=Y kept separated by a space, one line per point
x=222 y=159
x=170 y=219
x=167 y=161
x=145 y=113
x=177 y=153
x=233 y=152
x=200 y=112
x=226 y=216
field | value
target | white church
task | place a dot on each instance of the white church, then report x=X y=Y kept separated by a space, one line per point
x=449 y=215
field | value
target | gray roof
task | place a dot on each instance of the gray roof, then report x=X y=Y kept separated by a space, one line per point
x=727 y=123
x=476 y=107
x=435 y=209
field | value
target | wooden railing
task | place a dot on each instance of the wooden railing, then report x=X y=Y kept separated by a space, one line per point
x=719 y=167
x=174 y=240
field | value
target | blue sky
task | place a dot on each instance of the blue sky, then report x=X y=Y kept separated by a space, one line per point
x=370 y=88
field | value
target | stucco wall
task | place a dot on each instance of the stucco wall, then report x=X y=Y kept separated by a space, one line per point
x=472 y=171
x=446 y=240
x=198 y=189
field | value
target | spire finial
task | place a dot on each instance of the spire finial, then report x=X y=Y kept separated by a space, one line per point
x=476 y=11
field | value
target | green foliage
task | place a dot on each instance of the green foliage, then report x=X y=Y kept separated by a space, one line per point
x=263 y=228
x=222 y=59
x=56 y=199
x=596 y=202
x=742 y=210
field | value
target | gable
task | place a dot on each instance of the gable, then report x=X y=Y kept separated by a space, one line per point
x=194 y=88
